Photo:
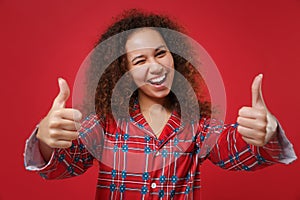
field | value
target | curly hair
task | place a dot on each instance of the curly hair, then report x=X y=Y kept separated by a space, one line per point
x=126 y=23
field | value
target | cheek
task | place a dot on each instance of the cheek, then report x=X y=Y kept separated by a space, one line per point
x=138 y=76
x=168 y=61
x=171 y=74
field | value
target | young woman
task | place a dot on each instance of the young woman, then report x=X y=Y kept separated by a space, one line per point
x=152 y=153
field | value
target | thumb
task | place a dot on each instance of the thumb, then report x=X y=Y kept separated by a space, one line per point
x=257 y=98
x=63 y=95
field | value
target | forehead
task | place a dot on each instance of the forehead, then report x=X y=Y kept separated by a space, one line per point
x=144 y=38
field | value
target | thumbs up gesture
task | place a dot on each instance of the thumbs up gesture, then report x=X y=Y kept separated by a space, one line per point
x=256 y=124
x=58 y=128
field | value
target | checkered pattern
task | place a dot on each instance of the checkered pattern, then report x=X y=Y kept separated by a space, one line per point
x=135 y=164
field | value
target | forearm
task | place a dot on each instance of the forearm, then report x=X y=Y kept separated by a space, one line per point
x=60 y=163
x=233 y=153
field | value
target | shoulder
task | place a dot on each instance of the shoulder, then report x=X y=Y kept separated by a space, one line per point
x=210 y=124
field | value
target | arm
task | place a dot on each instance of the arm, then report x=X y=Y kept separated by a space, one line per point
x=256 y=140
x=54 y=149
x=63 y=162
x=232 y=152
x=287 y=154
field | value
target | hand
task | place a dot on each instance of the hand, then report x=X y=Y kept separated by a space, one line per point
x=58 y=128
x=256 y=124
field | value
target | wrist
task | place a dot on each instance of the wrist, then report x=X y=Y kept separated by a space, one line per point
x=272 y=126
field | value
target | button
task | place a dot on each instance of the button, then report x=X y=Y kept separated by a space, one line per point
x=153 y=185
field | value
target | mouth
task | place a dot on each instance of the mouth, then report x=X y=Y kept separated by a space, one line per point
x=159 y=80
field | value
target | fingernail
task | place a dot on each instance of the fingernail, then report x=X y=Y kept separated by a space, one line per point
x=78 y=125
x=77 y=115
x=59 y=81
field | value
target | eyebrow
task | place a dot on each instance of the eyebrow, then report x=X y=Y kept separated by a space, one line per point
x=160 y=47
x=140 y=56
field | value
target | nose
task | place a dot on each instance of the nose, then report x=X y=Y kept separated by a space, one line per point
x=155 y=68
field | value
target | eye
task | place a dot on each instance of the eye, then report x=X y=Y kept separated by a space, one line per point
x=161 y=53
x=139 y=62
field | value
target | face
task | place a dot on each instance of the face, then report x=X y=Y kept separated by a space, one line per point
x=150 y=63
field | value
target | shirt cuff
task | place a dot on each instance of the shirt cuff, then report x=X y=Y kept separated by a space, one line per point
x=287 y=154
x=33 y=159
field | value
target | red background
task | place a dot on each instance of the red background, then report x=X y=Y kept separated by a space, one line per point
x=40 y=42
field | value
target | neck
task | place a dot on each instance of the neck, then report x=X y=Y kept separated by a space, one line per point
x=154 y=112
x=150 y=104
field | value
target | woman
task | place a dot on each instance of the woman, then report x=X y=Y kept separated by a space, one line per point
x=156 y=151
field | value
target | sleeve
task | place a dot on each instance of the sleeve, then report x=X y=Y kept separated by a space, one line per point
x=33 y=159
x=231 y=152
x=64 y=163
x=285 y=153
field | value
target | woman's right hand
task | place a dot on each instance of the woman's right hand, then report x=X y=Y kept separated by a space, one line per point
x=59 y=127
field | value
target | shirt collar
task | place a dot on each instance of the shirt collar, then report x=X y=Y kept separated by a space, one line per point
x=171 y=128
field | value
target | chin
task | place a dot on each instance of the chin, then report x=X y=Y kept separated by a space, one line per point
x=159 y=95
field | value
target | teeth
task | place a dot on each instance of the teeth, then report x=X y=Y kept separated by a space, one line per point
x=158 y=80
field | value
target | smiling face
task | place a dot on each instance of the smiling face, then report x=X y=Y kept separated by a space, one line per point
x=150 y=63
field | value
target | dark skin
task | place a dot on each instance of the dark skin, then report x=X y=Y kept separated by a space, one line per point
x=57 y=130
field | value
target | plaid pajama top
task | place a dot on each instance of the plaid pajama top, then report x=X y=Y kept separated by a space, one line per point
x=135 y=164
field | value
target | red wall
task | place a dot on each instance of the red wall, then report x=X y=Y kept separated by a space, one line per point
x=40 y=42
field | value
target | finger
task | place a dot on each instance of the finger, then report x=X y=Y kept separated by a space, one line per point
x=67 y=113
x=72 y=114
x=257 y=98
x=252 y=123
x=63 y=95
x=69 y=135
x=253 y=141
x=248 y=132
x=254 y=113
x=64 y=124
x=60 y=144
x=64 y=135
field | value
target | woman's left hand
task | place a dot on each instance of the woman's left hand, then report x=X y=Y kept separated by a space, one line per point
x=256 y=124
